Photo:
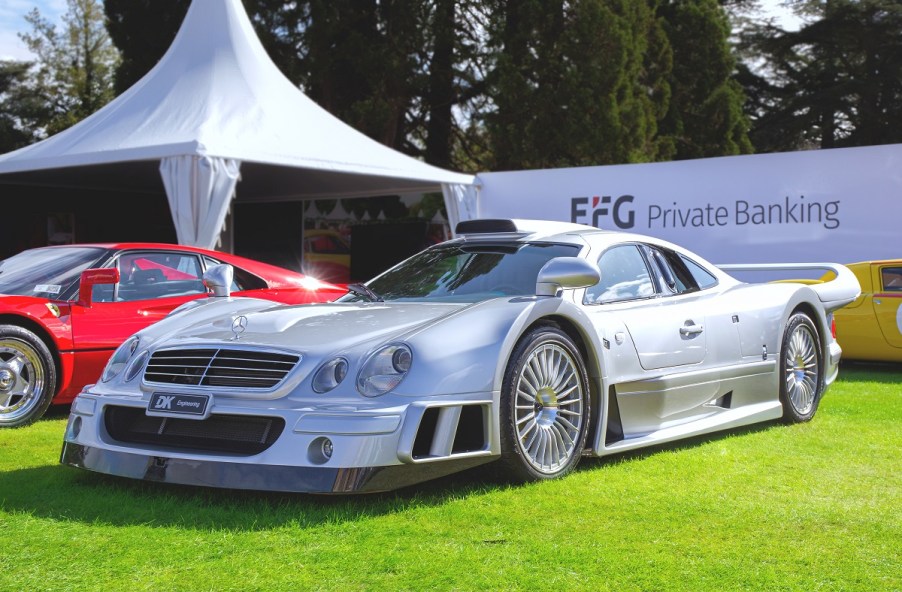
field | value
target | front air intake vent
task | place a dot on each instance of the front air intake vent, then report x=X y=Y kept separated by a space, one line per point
x=221 y=367
x=218 y=434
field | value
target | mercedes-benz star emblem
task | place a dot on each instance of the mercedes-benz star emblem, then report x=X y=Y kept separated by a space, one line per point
x=238 y=326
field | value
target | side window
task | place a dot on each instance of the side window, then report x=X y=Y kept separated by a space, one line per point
x=672 y=281
x=242 y=280
x=702 y=276
x=892 y=279
x=147 y=275
x=677 y=274
x=624 y=276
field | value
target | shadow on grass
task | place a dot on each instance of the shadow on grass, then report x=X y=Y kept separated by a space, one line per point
x=686 y=444
x=882 y=372
x=64 y=493
x=57 y=412
x=60 y=492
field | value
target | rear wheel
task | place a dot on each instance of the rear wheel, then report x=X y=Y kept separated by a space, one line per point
x=27 y=376
x=802 y=379
x=545 y=406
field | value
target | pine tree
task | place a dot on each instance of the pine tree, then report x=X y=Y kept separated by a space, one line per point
x=570 y=84
x=75 y=66
x=705 y=116
x=21 y=108
x=360 y=63
x=835 y=82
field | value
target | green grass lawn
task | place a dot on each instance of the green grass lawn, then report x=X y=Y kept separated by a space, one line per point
x=816 y=506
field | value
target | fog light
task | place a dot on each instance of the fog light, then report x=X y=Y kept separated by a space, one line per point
x=75 y=427
x=320 y=451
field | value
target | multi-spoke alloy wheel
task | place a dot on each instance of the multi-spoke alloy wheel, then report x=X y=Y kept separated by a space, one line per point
x=27 y=376
x=802 y=377
x=546 y=406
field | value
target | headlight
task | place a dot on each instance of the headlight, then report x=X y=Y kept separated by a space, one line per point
x=384 y=370
x=120 y=359
x=330 y=375
x=136 y=366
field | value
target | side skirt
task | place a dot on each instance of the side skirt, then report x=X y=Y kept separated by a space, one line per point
x=721 y=421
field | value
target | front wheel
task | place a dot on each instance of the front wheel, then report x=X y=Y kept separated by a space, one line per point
x=27 y=376
x=545 y=407
x=801 y=370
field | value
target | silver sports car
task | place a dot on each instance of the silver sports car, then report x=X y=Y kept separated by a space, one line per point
x=523 y=342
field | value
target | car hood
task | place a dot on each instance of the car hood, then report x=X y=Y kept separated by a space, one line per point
x=12 y=301
x=335 y=327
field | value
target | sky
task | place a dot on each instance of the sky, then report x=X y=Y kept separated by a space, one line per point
x=12 y=21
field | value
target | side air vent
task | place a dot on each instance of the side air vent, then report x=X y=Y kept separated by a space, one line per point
x=447 y=431
x=235 y=368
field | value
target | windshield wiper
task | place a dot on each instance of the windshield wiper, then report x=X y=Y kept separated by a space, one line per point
x=365 y=292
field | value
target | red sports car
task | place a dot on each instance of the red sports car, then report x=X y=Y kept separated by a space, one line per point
x=56 y=337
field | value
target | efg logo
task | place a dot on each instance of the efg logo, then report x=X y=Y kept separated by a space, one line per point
x=621 y=212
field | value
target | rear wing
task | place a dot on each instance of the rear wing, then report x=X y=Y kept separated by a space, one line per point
x=836 y=288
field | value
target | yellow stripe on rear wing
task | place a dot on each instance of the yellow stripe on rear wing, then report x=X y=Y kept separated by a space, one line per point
x=836 y=288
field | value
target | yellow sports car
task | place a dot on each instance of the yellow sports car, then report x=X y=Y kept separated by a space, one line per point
x=871 y=327
x=327 y=255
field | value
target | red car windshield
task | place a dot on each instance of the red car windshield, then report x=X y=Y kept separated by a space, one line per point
x=47 y=272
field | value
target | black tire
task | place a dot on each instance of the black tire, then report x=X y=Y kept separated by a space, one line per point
x=546 y=372
x=27 y=376
x=801 y=369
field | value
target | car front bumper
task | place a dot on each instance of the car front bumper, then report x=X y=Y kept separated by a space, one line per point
x=233 y=475
x=369 y=449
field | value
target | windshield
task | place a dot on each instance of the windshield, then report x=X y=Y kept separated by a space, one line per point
x=46 y=272
x=466 y=273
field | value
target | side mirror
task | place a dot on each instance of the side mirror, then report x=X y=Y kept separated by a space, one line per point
x=95 y=277
x=565 y=272
x=219 y=279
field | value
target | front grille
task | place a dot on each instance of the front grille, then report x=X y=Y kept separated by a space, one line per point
x=237 y=368
x=234 y=434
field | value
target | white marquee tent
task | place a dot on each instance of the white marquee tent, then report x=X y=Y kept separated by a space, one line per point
x=216 y=114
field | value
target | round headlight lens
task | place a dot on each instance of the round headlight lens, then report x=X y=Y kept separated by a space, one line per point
x=400 y=360
x=330 y=375
x=384 y=370
x=120 y=359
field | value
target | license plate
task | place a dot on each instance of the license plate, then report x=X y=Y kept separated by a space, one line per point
x=177 y=404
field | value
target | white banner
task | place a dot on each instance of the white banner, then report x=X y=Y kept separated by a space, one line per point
x=842 y=205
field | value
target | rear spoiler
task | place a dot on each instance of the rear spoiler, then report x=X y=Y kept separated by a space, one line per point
x=834 y=293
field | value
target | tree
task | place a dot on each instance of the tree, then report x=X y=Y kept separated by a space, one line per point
x=75 y=66
x=705 y=116
x=361 y=63
x=570 y=84
x=21 y=109
x=442 y=93
x=835 y=82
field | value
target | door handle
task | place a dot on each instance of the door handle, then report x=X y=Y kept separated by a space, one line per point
x=688 y=330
